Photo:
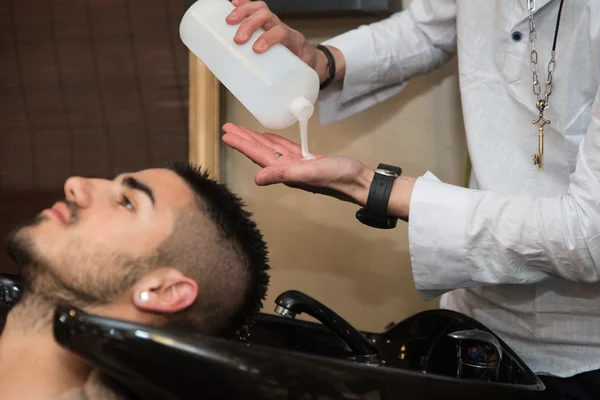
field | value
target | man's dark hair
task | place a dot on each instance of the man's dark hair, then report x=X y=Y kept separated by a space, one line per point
x=227 y=257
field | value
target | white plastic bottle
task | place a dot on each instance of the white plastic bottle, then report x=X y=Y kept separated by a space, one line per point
x=277 y=87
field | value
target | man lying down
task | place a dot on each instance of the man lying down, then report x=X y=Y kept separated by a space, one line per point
x=167 y=247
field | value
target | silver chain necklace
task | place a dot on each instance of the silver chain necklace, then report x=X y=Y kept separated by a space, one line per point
x=542 y=101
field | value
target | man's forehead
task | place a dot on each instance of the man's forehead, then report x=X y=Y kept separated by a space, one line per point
x=166 y=185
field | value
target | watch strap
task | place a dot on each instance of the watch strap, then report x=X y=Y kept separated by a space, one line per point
x=374 y=214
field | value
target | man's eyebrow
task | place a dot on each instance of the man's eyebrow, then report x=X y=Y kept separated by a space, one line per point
x=133 y=183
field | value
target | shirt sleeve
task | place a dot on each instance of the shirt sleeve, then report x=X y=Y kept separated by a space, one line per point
x=461 y=238
x=382 y=56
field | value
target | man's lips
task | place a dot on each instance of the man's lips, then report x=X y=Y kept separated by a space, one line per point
x=61 y=211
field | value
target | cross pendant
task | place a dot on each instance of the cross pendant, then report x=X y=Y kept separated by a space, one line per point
x=538 y=159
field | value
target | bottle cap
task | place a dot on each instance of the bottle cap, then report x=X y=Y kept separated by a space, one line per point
x=301 y=108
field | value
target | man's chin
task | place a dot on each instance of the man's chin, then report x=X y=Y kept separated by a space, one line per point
x=20 y=243
x=19 y=247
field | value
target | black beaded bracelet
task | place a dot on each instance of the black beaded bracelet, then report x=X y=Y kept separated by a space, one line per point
x=330 y=66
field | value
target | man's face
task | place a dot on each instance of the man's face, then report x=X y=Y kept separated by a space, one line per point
x=93 y=243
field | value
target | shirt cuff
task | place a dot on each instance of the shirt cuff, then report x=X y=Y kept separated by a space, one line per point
x=362 y=63
x=437 y=233
x=357 y=91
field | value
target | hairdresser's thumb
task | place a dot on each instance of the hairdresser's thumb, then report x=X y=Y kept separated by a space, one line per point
x=272 y=174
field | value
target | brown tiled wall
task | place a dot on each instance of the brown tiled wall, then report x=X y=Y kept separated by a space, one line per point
x=87 y=87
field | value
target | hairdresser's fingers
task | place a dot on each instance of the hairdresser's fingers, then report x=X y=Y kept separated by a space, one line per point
x=258 y=15
x=262 y=18
x=252 y=136
x=293 y=40
x=294 y=173
x=238 y=130
x=259 y=154
x=253 y=133
x=258 y=137
x=229 y=127
x=265 y=141
x=292 y=148
x=242 y=9
x=273 y=140
x=251 y=16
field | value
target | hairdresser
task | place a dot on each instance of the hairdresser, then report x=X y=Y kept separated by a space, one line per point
x=519 y=250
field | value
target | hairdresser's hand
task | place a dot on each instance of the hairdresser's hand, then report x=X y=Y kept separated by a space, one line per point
x=257 y=15
x=341 y=177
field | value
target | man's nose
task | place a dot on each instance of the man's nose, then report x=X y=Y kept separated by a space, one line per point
x=79 y=191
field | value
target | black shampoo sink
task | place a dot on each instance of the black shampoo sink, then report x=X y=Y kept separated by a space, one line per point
x=421 y=343
x=285 y=359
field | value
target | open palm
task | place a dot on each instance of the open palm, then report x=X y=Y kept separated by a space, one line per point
x=338 y=177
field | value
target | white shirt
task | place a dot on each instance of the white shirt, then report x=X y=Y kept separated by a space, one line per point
x=520 y=249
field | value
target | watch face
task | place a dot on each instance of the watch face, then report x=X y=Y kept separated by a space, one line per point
x=386 y=172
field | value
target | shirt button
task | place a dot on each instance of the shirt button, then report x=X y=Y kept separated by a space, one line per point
x=516 y=36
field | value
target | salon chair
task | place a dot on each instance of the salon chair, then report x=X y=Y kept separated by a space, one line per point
x=431 y=355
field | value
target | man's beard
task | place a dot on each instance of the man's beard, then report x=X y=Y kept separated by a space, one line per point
x=48 y=283
x=20 y=247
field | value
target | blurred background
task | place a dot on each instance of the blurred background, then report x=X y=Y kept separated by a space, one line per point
x=100 y=87
x=88 y=87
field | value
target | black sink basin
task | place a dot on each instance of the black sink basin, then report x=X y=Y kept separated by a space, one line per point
x=284 y=359
x=157 y=364
x=419 y=343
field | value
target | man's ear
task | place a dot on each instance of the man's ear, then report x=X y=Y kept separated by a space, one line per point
x=164 y=291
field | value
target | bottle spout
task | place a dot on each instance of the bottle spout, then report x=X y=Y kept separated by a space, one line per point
x=301 y=109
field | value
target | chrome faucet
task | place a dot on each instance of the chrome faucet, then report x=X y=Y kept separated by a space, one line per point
x=293 y=302
x=479 y=354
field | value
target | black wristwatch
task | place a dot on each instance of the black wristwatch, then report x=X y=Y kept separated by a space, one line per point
x=374 y=214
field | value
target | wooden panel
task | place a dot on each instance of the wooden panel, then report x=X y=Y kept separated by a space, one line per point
x=204 y=117
x=87 y=87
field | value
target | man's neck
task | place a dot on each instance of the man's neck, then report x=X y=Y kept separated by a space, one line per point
x=32 y=363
